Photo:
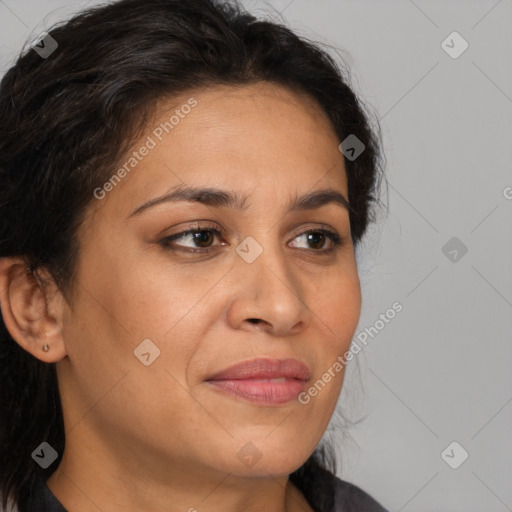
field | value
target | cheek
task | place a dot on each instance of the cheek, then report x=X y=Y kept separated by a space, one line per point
x=338 y=306
x=338 y=311
x=116 y=309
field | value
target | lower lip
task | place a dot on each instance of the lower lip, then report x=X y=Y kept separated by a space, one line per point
x=262 y=391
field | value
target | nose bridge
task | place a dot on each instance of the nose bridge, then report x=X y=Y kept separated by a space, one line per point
x=264 y=252
x=271 y=290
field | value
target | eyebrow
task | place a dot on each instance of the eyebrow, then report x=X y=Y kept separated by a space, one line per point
x=222 y=198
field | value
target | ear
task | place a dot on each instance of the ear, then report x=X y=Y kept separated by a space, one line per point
x=32 y=312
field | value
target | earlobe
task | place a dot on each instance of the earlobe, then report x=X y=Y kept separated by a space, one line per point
x=32 y=313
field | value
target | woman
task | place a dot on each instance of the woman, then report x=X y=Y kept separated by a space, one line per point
x=182 y=191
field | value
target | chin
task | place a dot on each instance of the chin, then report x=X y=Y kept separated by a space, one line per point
x=261 y=459
x=265 y=470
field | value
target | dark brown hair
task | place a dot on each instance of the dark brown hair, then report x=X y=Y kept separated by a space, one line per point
x=67 y=120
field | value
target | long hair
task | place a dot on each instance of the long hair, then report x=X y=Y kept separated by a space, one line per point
x=67 y=118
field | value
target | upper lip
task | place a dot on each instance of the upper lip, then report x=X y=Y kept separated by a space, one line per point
x=264 y=368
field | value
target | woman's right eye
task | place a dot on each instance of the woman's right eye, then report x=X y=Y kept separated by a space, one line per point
x=203 y=236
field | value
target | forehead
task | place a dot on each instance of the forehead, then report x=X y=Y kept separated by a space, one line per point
x=259 y=114
x=248 y=138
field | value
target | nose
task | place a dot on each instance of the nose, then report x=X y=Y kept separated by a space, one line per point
x=267 y=294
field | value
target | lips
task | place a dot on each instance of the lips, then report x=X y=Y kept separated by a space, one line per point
x=267 y=382
x=264 y=368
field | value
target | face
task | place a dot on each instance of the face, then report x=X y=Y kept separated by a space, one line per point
x=261 y=281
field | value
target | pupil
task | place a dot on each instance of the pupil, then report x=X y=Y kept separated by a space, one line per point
x=201 y=236
x=313 y=236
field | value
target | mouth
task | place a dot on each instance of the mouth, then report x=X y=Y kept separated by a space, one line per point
x=263 y=381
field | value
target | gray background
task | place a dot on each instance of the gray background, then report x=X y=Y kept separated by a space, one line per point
x=440 y=370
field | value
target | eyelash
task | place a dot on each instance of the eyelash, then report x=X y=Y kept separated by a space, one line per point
x=334 y=237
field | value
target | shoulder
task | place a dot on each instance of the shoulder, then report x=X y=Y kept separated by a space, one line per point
x=350 y=498
x=39 y=497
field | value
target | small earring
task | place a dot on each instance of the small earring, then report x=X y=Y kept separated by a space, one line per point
x=46 y=348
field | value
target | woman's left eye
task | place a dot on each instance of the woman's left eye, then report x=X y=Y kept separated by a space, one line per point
x=319 y=236
x=205 y=236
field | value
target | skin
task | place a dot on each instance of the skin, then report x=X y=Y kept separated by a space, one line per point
x=158 y=437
